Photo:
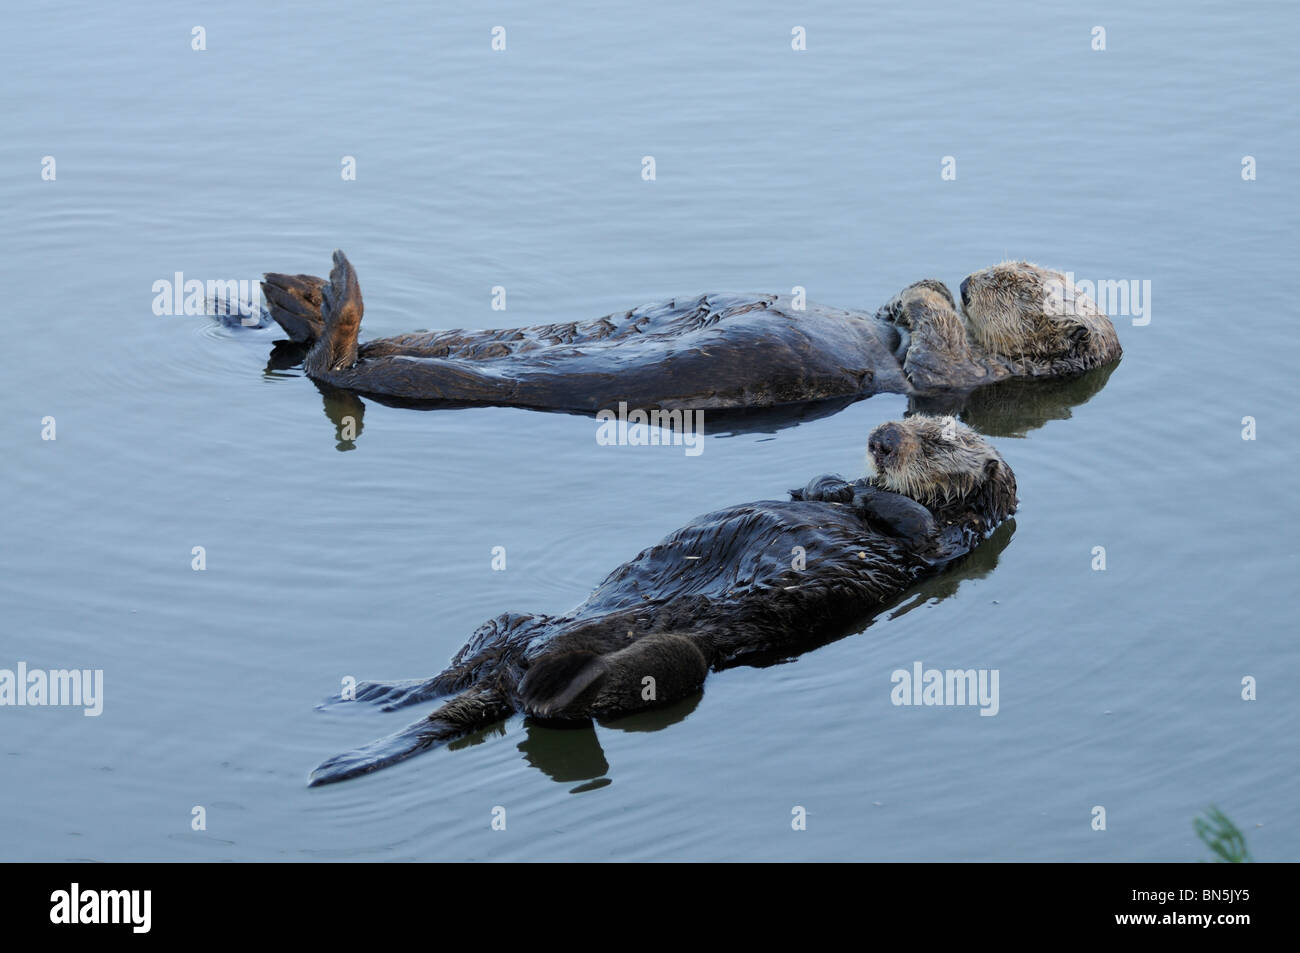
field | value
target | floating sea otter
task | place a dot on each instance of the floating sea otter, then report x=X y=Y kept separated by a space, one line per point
x=728 y=588
x=711 y=352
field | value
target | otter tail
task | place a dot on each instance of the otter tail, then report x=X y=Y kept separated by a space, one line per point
x=467 y=712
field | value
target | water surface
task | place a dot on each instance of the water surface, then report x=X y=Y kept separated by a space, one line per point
x=522 y=169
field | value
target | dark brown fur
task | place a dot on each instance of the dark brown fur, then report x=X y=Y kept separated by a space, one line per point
x=718 y=352
x=718 y=592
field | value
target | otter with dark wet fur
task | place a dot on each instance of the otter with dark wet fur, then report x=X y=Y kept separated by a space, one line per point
x=711 y=352
x=722 y=591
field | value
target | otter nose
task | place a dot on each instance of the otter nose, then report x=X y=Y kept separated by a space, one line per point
x=883 y=441
x=965 y=289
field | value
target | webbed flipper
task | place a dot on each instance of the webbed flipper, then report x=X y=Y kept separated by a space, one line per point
x=654 y=670
x=390 y=696
x=466 y=713
x=555 y=681
x=341 y=311
x=295 y=303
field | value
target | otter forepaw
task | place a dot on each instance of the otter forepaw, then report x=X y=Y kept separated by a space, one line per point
x=892 y=312
x=827 y=488
x=898 y=515
x=898 y=310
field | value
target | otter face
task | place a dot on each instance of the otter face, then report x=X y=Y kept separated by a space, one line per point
x=933 y=460
x=1022 y=311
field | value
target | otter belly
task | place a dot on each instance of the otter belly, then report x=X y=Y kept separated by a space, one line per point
x=758 y=575
x=715 y=351
x=744 y=580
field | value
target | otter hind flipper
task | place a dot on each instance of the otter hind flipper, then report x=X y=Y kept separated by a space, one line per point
x=396 y=747
x=341 y=311
x=555 y=681
x=654 y=670
x=295 y=303
x=462 y=715
x=390 y=696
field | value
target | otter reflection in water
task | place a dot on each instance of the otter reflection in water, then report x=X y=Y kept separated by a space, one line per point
x=713 y=352
x=1009 y=408
x=736 y=586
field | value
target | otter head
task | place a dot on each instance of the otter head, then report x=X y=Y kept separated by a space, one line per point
x=942 y=464
x=1034 y=316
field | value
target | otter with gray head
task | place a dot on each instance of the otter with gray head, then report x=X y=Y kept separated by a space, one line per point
x=715 y=352
x=722 y=591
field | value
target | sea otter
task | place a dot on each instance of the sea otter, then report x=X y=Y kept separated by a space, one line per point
x=716 y=351
x=730 y=587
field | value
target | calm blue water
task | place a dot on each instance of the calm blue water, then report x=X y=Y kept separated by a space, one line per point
x=522 y=169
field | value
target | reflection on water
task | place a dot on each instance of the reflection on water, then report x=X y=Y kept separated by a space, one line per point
x=524 y=171
x=1014 y=407
x=563 y=752
x=982 y=561
x=571 y=751
x=346 y=411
